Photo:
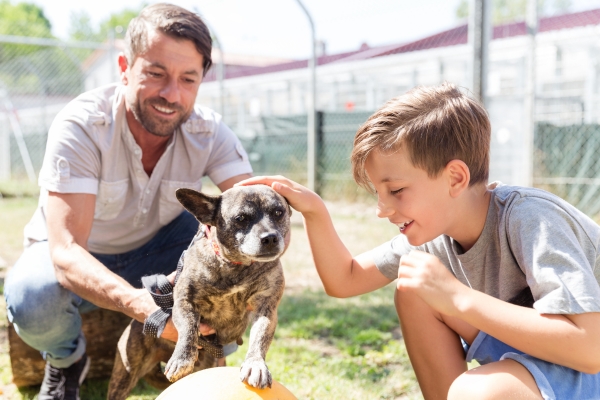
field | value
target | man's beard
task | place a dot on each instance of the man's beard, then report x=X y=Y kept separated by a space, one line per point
x=154 y=124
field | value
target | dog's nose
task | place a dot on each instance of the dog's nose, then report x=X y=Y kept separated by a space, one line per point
x=268 y=239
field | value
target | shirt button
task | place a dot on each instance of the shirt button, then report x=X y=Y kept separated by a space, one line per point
x=147 y=191
x=145 y=210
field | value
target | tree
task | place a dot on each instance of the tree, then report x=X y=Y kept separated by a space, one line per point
x=81 y=26
x=513 y=10
x=22 y=19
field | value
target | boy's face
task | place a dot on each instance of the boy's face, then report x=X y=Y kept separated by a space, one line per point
x=420 y=206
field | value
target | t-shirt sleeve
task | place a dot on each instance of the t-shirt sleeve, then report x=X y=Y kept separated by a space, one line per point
x=72 y=159
x=557 y=256
x=228 y=157
x=387 y=256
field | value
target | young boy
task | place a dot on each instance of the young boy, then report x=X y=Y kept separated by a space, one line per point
x=504 y=275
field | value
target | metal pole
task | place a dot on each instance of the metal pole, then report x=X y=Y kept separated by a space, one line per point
x=311 y=132
x=480 y=32
x=531 y=22
x=16 y=128
x=220 y=66
x=220 y=75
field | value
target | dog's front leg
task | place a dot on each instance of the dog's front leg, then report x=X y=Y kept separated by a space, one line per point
x=186 y=320
x=254 y=369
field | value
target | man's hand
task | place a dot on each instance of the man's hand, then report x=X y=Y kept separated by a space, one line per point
x=300 y=198
x=425 y=274
x=170 y=332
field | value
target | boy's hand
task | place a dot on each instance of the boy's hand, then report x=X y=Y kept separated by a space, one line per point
x=430 y=279
x=300 y=198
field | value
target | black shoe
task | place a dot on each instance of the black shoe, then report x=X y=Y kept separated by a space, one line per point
x=63 y=383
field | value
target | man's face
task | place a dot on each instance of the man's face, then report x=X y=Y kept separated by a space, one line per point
x=162 y=83
x=420 y=206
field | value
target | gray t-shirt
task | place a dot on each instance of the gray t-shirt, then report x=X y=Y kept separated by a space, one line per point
x=535 y=250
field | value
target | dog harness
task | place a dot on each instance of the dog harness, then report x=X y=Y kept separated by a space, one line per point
x=161 y=291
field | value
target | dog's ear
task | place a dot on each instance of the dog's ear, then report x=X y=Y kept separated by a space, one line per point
x=202 y=206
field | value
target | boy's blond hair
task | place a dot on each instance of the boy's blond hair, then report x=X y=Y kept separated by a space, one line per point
x=435 y=124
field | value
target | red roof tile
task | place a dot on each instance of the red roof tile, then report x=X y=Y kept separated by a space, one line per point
x=450 y=37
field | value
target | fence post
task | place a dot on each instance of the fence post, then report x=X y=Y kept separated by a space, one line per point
x=311 y=133
x=4 y=151
x=480 y=32
x=530 y=89
x=320 y=151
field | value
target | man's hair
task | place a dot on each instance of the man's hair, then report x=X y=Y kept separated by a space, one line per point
x=173 y=21
x=435 y=125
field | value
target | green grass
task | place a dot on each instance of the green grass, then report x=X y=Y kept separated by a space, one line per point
x=324 y=348
x=18 y=188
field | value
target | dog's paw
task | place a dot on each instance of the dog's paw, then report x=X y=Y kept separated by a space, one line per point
x=178 y=367
x=254 y=371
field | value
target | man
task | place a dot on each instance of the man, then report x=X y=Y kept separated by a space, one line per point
x=107 y=213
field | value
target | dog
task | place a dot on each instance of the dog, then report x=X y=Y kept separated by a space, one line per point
x=231 y=274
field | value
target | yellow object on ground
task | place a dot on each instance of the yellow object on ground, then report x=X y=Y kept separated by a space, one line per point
x=222 y=383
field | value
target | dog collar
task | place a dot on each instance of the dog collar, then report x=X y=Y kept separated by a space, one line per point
x=215 y=246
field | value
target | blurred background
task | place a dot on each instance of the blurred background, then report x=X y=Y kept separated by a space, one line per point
x=537 y=71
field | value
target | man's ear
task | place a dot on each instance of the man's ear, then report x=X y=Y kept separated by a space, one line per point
x=202 y=206
x=458 y=175
x=123 y=67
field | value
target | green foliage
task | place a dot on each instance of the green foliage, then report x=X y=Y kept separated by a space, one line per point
x=514 y=10
x=21 y=19
x=81 y=27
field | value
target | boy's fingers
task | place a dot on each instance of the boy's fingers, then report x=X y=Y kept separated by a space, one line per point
x=407 y=260
x=285 y=190
x=255 y=180
x=261 y=180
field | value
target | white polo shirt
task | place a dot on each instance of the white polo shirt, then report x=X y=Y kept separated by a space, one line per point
x=91 y=150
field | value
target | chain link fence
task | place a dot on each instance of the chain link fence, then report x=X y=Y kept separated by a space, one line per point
x=39 y=75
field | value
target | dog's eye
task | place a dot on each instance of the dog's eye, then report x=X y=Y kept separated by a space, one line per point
x=240 y=218
x=278 y=213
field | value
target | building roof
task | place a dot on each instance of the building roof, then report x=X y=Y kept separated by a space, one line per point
x=450 y=37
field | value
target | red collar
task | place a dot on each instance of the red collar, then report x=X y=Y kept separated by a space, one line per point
x=215 y=246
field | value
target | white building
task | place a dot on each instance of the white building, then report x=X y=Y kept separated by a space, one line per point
x=566 y=81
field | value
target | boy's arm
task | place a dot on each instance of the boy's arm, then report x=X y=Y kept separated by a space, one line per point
x=569 y=340
x=342 y=275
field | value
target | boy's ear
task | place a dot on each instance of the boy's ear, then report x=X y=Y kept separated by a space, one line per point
x=459 y=177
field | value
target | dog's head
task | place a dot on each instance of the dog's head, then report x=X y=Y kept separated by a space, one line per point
x=251 y=222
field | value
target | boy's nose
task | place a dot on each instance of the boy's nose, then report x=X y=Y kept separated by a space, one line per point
x=383 y=211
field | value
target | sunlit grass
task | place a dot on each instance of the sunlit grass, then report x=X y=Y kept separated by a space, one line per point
x=324 y=348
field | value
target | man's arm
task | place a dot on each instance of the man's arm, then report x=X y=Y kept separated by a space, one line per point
x=69 y=219
x=342 y=275
x=228 y=183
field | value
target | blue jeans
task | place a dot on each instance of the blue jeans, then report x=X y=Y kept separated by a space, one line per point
x=47 y=316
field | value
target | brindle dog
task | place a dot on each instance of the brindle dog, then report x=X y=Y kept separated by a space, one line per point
x=231 y=274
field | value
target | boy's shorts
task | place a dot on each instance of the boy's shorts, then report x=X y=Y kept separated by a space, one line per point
x=554 y=381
